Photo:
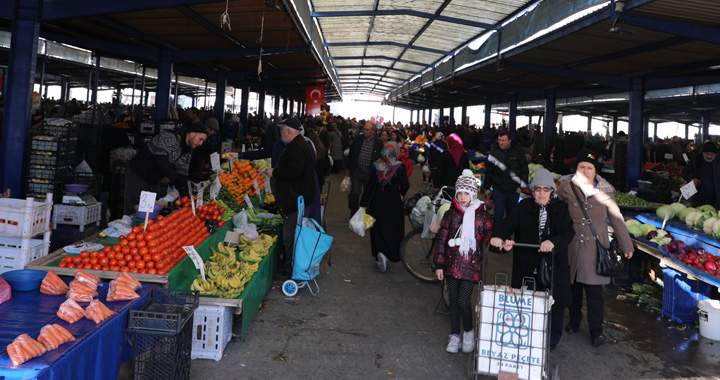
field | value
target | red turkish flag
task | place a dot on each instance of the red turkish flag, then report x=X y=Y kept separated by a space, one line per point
x=314 y=98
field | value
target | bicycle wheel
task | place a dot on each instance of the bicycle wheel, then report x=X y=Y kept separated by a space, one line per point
x=417 y=255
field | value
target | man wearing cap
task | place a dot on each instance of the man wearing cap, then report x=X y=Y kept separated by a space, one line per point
x=201 y=156
x=293 y=176
x=704 y=171
x=506 y=172
x=164 y=160
x=364 y=151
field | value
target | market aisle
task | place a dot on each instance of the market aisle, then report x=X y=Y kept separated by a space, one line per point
x=370 y=325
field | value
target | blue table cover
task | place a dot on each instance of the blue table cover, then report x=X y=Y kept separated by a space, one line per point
x=96 y=353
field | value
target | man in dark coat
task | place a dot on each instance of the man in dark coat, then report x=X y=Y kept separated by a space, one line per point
x=704 y=172
x=506 y=171
x=293 y=176
x=364 y=151
x=543 y=209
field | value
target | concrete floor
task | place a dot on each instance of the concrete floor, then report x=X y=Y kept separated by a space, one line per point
x=370 y=325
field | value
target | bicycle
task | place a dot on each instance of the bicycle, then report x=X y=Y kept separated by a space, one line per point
x=416 y=252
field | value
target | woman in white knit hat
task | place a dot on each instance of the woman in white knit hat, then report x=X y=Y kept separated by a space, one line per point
x=464 y=230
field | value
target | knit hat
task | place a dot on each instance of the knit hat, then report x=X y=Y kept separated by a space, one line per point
x=212 y=124
x=197 y=128
x=543 y=177
x=709 y=147
x=587 y=155
x=467 y=183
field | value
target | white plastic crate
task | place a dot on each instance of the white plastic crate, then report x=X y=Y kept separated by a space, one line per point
x=77 y=215
x=14 y=256
x=513 y=332
x=147 y=127
x=212 y=330
x=167 y=127
x=24 y=217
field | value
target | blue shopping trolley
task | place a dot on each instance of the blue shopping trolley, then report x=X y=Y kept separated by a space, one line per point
x=310 y=245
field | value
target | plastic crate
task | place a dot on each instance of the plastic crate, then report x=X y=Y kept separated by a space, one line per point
x=168 y=311
x=212 y=330
x=66 y=129
x=167 y=126
x=65 y=235
x=161 y=355
x=147 y=127
x=681 y=295
x=52 y=159
x=24 y=217
x=17 y=252
x=77 y=215
x=631 y=271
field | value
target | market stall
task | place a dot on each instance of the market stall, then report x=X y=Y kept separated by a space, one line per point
x=96 y=353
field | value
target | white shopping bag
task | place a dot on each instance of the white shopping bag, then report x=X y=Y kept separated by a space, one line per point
x=345 y=185
x=357 y=222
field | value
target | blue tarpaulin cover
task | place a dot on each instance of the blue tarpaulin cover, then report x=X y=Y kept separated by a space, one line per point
x=691 y=237
x=96 y=352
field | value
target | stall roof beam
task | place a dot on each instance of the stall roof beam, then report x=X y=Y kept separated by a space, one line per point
x=362 y=75
x=190 y=55
x=386 y=43
x=385 y=57
x=129 y=51
x=585 y=76
x=405 y=12
x=693 y=31
x=374 y=67
x=65 y=9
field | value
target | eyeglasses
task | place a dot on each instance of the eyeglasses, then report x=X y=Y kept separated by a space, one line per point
x=543 y=189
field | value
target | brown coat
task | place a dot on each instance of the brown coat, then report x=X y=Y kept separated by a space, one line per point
x=582 y=252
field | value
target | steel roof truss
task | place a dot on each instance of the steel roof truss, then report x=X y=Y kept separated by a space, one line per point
x=386 y=43
x=374 y=67
x=380 y=57
x=695 y=31
x=604 y=79
x=405 y=12
x=189 y=55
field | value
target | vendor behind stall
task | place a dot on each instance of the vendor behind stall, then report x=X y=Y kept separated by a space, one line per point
x=164 y=160
x=703 y=171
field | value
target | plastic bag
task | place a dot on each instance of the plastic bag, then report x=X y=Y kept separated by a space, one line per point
x=240 y=219
x=437 y=218
x=426 y=232
x=120 y=291
x=357 y=222
x=368 y=221
x=346 y=184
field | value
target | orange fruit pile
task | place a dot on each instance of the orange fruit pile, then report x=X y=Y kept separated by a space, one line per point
x=240 y=181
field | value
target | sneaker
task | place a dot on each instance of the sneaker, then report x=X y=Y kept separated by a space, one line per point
x=598 y=340
x=382 y=262
x=572 y=328
x=454 y=344
x=468 y=342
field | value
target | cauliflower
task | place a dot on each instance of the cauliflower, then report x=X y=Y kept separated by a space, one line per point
x=716 y=229
x=708 y=225
x=691 y=217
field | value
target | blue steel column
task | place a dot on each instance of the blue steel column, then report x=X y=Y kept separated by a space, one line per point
x=614 y=125
x=635 y=132
x=261 y=105
x=463 y=115
x=244 y=97
x=488 y=109
x=42 y=76
x=452 y=115
x=96 y=80
x=162 y=93
x=219 y=109
x=284 y=101
x=549 y=124
x=705 y=118
x=18 y=96
x=512 y=122
x=291 y=107
x=63 y=89
x=276 y=102
x=176 y=88
x=441 y=115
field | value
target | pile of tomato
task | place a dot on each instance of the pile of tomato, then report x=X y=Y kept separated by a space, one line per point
x=154 y=251
x=210 y=211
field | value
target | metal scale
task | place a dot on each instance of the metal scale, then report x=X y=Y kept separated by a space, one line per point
x=75 y=198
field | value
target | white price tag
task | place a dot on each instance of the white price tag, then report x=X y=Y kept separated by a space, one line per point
x=215 y=162
x=225 y=147
x=243 y=148
x=669 y=156
x=190 y=192
x=147 y=202
x=257 y=188
x=200 y=194
x=196 y=259
x=247 y=202
x=231 y=162
x=685 y=157
x=688 y=190
x=215 y=188
x=632 y=192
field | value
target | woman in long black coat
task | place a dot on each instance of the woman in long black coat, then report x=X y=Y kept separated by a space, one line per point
x=451 y=164
x=383 y=201
x=525 y=223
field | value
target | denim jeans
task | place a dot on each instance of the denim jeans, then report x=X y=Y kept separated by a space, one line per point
x=504 y=204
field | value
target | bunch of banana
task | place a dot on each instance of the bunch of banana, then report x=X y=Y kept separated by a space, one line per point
x=231 y=280
x=250 y=255
x=204 y=287
x=269 y=198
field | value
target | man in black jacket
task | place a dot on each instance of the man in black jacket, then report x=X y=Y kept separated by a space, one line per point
x=293 y=176
x=364 y=151
x=163 y=160
x=506 y=172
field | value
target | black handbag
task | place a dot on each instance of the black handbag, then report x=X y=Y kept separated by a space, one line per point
x=608 y=260
x=544 y=270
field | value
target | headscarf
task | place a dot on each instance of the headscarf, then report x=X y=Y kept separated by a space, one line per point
x=455 y=146
x=388 y=163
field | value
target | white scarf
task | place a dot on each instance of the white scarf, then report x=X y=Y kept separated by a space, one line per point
x=467 y=230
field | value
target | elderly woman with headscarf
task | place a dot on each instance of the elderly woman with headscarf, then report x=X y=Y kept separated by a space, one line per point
x=543 y=219
x=451 y=164
x=383 y=201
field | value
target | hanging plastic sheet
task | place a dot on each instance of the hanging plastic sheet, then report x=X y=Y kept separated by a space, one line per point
x=96 y=353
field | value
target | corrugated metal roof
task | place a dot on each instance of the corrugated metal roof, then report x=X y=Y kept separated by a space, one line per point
x=400 y=38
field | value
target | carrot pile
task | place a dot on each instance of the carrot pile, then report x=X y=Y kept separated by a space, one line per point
x=91 y=280
x=52 y=284
x=52 y=336
x=97 y=312
x=240 y=181
x=24 y=348
x=80 y=291
x=70 y=311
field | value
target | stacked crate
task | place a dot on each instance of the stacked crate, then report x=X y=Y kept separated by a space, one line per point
x=52 y=156
x=21 y=220
x=117 y=189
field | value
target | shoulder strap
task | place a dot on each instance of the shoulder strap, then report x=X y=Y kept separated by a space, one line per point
x=582 y=207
